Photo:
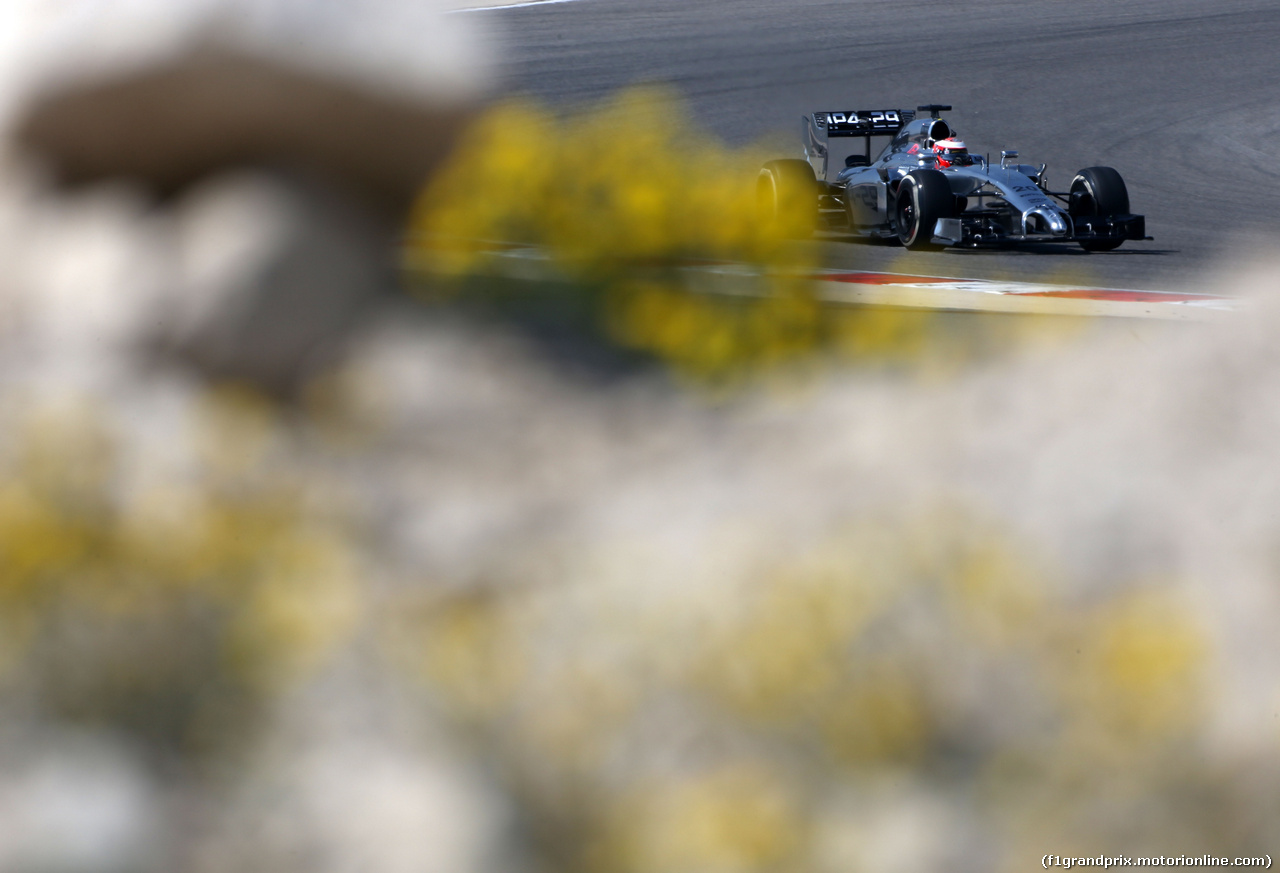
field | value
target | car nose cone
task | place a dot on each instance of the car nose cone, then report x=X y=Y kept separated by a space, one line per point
x=1050 y=219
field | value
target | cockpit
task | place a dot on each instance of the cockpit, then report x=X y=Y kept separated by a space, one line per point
x=921 y=133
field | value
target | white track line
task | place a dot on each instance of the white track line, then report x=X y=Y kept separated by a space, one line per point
x=1014 y=299
x=511 y=6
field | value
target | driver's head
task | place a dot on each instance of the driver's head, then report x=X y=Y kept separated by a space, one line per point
x=951 y=152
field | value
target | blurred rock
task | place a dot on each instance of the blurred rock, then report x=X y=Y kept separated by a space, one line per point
x=174 y=123
x=343 y=110
x=273 y=272
x=366 y=93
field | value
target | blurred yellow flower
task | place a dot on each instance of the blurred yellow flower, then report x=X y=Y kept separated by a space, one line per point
x=622 y=198
x=735 y=819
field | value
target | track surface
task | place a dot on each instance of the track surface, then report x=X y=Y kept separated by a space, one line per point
x=1181 y=96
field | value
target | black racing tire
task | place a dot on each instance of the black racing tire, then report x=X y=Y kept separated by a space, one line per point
x=787 y=195
x=923 y=197
x=1098 y=191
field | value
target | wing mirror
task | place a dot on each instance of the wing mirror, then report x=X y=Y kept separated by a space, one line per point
x=1006 y=156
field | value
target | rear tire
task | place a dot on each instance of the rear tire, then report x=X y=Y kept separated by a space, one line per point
x=787 y=195
x=923 y=197
x=1098 y=191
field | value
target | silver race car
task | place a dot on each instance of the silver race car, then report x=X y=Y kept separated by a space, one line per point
x=926 y=190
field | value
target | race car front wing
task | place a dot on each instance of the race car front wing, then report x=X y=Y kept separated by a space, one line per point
x=979 y=228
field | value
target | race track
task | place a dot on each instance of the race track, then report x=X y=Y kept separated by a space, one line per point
x=1181 y=96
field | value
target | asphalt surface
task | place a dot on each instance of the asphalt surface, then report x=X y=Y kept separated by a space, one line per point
x=1181 y=96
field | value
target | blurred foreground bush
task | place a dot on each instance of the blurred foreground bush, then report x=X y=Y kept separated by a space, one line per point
x=898 y=696
x=164 y=606
x=626 y=201
x=319 y=619
x=898 y=692
x=624 y=183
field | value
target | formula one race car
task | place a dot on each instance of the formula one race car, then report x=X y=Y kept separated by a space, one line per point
x=926 y=190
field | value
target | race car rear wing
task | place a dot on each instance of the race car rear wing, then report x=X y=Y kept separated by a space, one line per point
x=820 y=127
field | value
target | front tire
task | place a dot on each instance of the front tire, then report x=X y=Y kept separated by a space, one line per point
x=923 y=197
x=1098 y=191
x=787 y=196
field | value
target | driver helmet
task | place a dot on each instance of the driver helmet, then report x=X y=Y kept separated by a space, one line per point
x=951 y=151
